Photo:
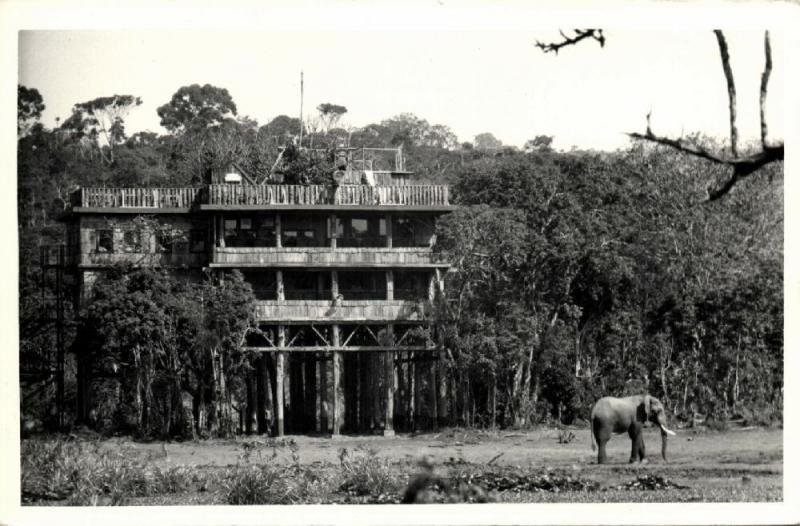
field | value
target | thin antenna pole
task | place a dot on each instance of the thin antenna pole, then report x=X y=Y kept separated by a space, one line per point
x=301 y=109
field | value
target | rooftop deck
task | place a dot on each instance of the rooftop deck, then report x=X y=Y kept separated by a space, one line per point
x=238 y=196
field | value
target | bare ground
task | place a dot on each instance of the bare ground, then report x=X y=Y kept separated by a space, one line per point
x=735 y=465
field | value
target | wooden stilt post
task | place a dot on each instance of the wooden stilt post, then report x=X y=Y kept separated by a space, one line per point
x=279 y=375
x=388 y=379
x=278 y=234
x=338 y=402
x=410 y=391
x=323 y=394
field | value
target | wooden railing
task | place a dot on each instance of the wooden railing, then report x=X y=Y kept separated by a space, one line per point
x=140 y=197
x=269 y=194
x=408 y=195
x=274 y=194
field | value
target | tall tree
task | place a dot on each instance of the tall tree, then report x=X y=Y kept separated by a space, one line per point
x=102 y=117
x=195 y=108
x=330 y=115
x=30 y=106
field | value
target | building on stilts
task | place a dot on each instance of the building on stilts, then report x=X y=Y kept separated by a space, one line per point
x=343 y=274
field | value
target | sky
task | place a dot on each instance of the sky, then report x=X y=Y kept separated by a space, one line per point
x=471 y=79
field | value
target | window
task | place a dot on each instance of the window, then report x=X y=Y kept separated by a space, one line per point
x=105 y=241
x=131 y=241
x=411 y=232
x=304 y=285
x=250 y=232
x=362 y=285
x=197 y=240
x=361 y=232
x=164 y=241
x=304 y=231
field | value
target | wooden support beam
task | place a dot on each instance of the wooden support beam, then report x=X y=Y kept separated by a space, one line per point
x=338 y=402
x=389 y=240
x=279 y=376
x=389 y=285
x=278 y=231
x=388 y=378
x=279 y=285
x=334 y=231
x=323 y=396
x=334 y=284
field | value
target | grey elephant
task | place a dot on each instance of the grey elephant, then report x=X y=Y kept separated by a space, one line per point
x=618 y=415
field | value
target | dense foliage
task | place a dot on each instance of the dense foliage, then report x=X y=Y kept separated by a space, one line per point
x=576 y=274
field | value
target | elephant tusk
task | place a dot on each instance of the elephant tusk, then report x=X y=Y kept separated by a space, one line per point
x=667 y=431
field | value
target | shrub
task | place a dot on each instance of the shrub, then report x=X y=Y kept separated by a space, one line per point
x=80 y=473
x=366 y=474
x=261 y=484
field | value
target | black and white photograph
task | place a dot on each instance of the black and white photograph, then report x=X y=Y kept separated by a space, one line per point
x=408 y=264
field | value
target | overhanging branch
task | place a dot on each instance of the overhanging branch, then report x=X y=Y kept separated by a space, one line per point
x=580 y=34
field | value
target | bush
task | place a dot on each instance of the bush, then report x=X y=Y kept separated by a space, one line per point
x=256 y=485
x=80 y=473
x=366 y=474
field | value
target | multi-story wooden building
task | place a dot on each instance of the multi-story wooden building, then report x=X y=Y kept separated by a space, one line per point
x=343 y=276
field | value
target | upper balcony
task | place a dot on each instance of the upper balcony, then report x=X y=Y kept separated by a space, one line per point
x=265 y=196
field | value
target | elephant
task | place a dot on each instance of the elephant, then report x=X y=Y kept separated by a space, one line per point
x=618 y=415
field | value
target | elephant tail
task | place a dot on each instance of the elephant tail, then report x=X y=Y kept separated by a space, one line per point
x=591 y=436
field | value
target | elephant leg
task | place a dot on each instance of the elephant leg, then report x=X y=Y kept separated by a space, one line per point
x=601 y=451
x=601 y=435
x=637 y=443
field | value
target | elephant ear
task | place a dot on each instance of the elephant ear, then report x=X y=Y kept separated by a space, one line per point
x=644 y=409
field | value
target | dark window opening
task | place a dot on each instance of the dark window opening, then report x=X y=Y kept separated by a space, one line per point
x=105 y=241
x=263 y=284
x=304 y=285
x=197 y=240
x=411 y=232
x=131 y=241
x=362 y=285
x=360 y=232
x=250 y=232
x=164 y=241
x=410 y=285
x=304 y=231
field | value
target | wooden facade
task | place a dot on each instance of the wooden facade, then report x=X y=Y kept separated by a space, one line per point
x=344 y=277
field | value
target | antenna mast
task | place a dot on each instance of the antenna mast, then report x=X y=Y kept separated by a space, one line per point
x=301 y=109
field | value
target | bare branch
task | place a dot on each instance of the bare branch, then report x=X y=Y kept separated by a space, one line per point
x=762 y=101
x=726 y=68
x=580 y=34
x=742 y=166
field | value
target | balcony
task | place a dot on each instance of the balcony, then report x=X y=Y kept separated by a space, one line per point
x=320 y=195
x=322 y=311
x=137 y=198
x=276 y=196
x=323 y=257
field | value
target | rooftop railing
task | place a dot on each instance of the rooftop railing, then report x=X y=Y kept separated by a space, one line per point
x=271 y=194
x=138 y=197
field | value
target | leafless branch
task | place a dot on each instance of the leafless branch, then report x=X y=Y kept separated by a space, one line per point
x=726 y=68
x=762 y=102
x=580 y=34
x=741 y=166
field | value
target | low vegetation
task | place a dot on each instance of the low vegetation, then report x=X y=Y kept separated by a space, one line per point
x=68 y=470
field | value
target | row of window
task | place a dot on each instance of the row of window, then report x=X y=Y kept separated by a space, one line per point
x=352 y=285
x=166 y=242
x=317 y=231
